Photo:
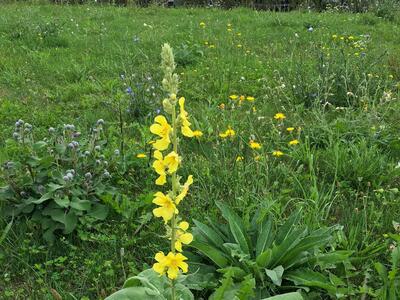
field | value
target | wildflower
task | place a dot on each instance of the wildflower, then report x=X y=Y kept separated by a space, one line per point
x=211 y=46
x=254 y=145
x=290 y=129
x=279 y=116
x=184 y=190
x=167 y=207
x=228 y=133
x=197 y=133
x=277 y=153
x=172 y=161
x=241 y=98
x=202 y=24
x=182 y=237
x=141 y=155
x=239 y=158
x=159 y=167
x=254 y=109
x=229 y=29
x=163 y=130
x=239 y=45
x=334 y=36
x=170 y=264
x=222 y=106
x=250 y=98
x=233 y=97
x=186 y=131
x=294 y=142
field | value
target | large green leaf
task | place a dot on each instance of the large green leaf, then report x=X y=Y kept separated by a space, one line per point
x=275 y=275
x=265 y=236
x=135 y=293
x=287 y=296
x=99 y=211
x=287 y=227
x=212 y=253
x=279 y=252
x=208 y=233
x=307 y=277
x=264 y=258
x=236 y=226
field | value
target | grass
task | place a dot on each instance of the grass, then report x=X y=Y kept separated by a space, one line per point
x=62 y=64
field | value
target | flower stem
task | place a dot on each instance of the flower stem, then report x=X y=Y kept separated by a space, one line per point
x=174 y=193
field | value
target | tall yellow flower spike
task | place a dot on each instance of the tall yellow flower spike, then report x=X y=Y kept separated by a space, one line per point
x=167 y=165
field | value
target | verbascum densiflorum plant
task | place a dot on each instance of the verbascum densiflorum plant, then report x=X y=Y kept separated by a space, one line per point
x=167 y=161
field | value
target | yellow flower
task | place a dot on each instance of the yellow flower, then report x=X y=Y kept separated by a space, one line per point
x=228 y=133
x=159 y=167
x=294 y=142
x=279 y=116
x=182 y=237
x=185 y=128
x=241 y=98
x=334 y=36
x=239 y=158
x=233 y=97
x=229 y=29
x=202 y=24
x=163 y=130
x=229 y=25
x=239 y=45
x=170 y=264
x=141 y=155
x=184 y=190
x=238 y=34
x=290 y=129
x=221 y=106
x=254 y=145
x=171 y=161
x=254 y=109
x=197 y=133
x=277 y=153
x=211 y=46
x=250 y=98
x=167 y=207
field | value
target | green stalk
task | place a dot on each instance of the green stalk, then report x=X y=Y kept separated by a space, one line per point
x=174 y=193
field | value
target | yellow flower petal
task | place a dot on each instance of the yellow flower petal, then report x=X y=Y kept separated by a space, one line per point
x=183 y=225
x=186 y=238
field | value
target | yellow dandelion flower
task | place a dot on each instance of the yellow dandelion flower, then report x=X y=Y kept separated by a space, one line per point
x=228 y=133
x=294 y=142
x=277 y=153
x=141 y=155
x=290 y=129
x=233 y=97
x=279 y=116
x=239 y=158
x=250 y=98
x=202 y=24
x=241 y=98
x=254 y=145
x=222 y=106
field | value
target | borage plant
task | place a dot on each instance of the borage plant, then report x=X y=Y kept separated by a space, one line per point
x=147 y=285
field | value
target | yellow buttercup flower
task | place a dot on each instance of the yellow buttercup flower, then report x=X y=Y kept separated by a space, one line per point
x=239 y=158
x=197 y=133
x=233 y=97
x=184 y=190
x=182 y=237
x=228 y=133
x=294 y=142
x=254 y=145
x=279 y=116
x=290 y=129
x=185 y=124
x=141 y=155
x=277 y=153
x=170 y=264
x=167 y=207
x=250 y=98
x=163 y=130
